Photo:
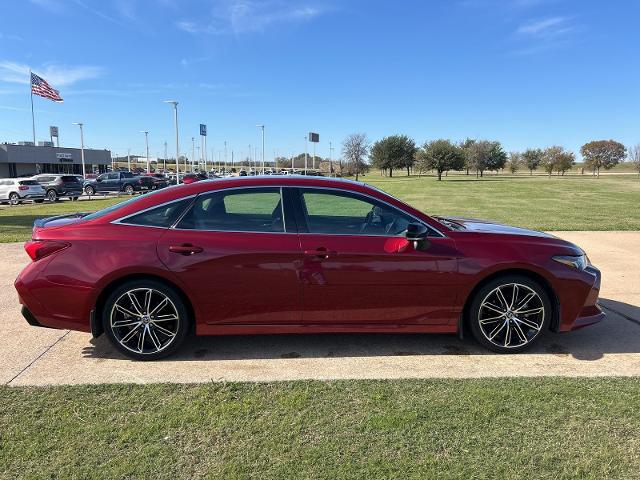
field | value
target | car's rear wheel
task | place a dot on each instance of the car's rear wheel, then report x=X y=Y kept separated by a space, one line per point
x=128 y=189
x=145 y=319
x=89 y=190
x=508 y=314
x=14 y=199
x=52 y=195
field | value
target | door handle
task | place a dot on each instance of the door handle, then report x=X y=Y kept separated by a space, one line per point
x=185 y=249
x=321 y=253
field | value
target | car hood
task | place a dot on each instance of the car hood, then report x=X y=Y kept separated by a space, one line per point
x=485 y=226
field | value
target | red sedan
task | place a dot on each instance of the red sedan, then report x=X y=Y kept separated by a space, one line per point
x=295 y=254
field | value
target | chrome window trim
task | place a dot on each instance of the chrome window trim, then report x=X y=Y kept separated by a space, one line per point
x=277 y=188
x=375 y=199
x=122 y=220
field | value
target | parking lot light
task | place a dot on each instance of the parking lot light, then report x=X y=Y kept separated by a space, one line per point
x=81 y=125
x=175 y=122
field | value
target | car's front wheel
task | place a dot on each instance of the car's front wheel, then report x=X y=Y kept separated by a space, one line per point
x=128 y=189
x=145 y=319
x=89 y=190
x=14 y=199
x=508 y=314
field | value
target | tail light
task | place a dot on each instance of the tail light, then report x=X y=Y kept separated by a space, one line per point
x=23 y=187
x=37 y=249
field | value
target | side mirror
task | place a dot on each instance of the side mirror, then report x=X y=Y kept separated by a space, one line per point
x=417 y=234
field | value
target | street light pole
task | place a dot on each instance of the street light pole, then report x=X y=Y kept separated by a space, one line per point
x=175 y=122
x=193 y=151
x=330 y=160
x=81 y=125
x=306 y=153
x=146 y=140
x=165 y=157
x=262 y=128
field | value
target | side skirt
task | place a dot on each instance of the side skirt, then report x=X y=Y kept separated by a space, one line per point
x=239 y=329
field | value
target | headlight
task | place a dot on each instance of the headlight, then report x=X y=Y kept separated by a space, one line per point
x=575 y=261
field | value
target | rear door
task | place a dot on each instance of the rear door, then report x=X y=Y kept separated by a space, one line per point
x=358 y=268
x=237 y=254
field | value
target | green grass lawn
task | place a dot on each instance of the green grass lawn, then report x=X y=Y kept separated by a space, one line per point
x=492 y=428
x=16 y=222
x=557 y=203
x=573 y=202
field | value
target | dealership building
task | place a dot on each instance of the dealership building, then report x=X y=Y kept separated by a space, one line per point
x=25 y=159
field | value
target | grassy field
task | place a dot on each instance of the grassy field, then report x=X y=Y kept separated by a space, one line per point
x=494 y=428
x=16 y=222
x=573 y=202
x=539 y=202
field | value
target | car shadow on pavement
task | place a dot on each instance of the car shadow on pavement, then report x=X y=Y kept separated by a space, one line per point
x=618 y=333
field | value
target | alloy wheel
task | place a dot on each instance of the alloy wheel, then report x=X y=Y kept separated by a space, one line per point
x=52 y=195
x=14 y=199
x=144 y=321
x=511 y=315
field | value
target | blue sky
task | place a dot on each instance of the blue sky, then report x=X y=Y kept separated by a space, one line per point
x=525 y=72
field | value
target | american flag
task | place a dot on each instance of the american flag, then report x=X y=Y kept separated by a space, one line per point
x=39 y=86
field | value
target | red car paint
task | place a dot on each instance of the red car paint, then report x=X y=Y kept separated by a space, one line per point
x=249 y=283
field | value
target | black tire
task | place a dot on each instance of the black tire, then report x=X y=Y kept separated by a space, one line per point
x=128 y=189
x=14 y=199
x=510 y=318
x=74 y=199
x=52 y=195
x=181 y=325
x=89 y=190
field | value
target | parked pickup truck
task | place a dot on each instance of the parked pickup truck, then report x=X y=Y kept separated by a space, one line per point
x=118 y=182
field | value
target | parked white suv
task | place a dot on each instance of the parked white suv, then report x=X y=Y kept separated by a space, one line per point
x=16 y=190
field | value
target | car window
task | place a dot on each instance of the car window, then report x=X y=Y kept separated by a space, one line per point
x=162 y=216
x=344 y=213
x=28 y=182
x=125 y=175
x=69 y=178
x=102 y=177
x=242 y=210
x=112 y=176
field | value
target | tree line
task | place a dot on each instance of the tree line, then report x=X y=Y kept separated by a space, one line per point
x=399 y=152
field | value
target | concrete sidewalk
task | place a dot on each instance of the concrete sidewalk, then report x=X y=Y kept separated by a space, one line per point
x=37 y=356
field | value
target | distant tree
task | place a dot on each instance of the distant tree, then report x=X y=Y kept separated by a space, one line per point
x=564 y=161
x=480 y=152
x=557 y=158
x=396 y=151
x=634 y=157
x=532 y=158
x=497 y=157
x=467 y=150
x=355 y=149
x=515 y=161
x=441 y=156
x=602 y=154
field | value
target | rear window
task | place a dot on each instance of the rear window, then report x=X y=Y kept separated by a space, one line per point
x=69 y=178
x=162 y=216
x=118 y=206
x=28 y=182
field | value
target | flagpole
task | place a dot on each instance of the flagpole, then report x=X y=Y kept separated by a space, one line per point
x=33 y=118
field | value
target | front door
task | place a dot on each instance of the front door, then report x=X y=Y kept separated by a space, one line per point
x=235 y=254
x=359 y=269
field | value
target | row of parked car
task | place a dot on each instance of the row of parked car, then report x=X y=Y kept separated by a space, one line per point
x=52 y=187
x=55 y=186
